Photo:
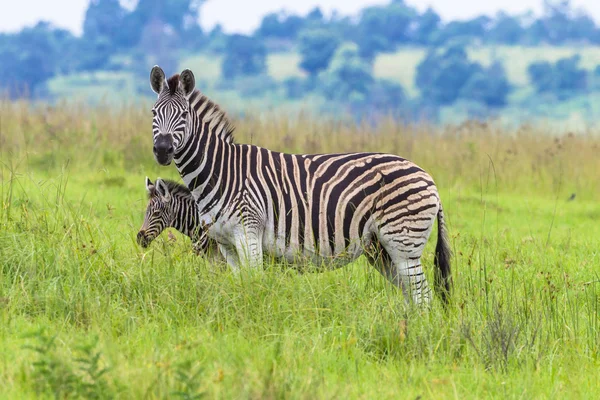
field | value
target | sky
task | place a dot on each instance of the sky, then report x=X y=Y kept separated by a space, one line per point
x=244 y=15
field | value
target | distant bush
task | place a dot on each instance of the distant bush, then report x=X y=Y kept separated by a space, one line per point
x=443 y=73
x=563 y=78
x=317 y=47
x=446 y=75
x=278 y=25
x=488 y=86
x=506 y=29
x=381 y=28
x=349 y=81
x=348 y=75
x=425 y=27
x=541 y=76
x=244 y=55
x=34 y=55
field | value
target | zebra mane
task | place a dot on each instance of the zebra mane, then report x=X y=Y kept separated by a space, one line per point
x=210 y=112
x=175 y=188
x=207 y=110
x=173 y=84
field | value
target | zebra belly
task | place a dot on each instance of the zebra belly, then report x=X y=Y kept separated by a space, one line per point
x=305 y=256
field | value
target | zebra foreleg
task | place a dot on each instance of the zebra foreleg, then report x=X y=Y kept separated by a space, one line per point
x=248 y=246
x=200 y=246
x=230 y=255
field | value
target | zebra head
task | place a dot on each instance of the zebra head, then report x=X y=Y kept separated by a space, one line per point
x=170 y=112
x=159 y=213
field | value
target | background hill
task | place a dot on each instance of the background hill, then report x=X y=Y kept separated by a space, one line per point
x=387 y=60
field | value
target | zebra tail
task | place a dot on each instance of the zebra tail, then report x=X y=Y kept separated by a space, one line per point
x=443 y=274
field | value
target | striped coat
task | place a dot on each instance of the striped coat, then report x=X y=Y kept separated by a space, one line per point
x=326 y=209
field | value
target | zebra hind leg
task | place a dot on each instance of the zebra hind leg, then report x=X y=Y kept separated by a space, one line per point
x=380 y=259
x=414 y=283
x=403 y=270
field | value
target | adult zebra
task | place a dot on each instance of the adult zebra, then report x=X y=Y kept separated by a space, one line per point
x=321 y=208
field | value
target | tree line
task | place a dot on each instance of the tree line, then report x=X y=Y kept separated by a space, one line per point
x=336 y=52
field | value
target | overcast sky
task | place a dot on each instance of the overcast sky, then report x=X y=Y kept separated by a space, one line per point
x=245 y=15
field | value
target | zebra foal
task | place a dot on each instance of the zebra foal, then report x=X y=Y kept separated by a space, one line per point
x=171 y=205
x=326 y=209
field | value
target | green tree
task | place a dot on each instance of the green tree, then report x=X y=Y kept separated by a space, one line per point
x=569 y=76
x=244 y=55
x=427 y=24
x=349 y=81
x=489 y=86
x=315 y=16
x=506 y=29
x=560 y=23
x=382 y=28
x=563 y=78
x=103 y=20
x=32 y=56
x=317 y=47
x=541 y=76
x=348 y=76
x=443 y=73
x=94 y=54
x=475 y=28
x=102 y=34
x=281 y=26
x=180 y=16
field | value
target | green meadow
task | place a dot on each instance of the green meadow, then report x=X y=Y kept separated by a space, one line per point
x=86 y=313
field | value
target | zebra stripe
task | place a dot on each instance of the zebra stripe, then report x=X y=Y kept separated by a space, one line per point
x=171 y=204
x=327 y=209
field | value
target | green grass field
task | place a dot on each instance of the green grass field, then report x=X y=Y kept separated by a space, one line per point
x=86 y=313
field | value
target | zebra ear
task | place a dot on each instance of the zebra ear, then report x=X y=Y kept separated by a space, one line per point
x=157 y=79
x=149 y=186
x=188 y=82
x=163 y=190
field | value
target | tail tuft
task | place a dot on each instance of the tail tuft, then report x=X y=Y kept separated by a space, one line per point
x=443 y=274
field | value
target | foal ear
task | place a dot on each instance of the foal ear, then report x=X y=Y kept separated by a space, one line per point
x=163 y=190
x=149 y=186
x=157 y=79
x=188 y=82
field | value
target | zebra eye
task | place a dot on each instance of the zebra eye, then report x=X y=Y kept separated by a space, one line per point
x=184 y=114
x=156 y=213
x=154 y=112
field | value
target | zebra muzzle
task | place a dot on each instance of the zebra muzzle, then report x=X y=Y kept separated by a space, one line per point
x=163 y=149
x=142 y=239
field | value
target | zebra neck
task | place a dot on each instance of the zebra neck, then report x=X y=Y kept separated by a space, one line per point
x=186 y=218
x=210 y=161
